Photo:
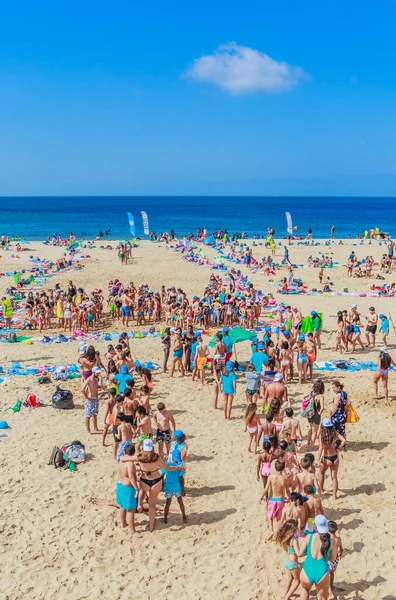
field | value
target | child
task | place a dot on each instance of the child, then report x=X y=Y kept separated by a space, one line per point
x=108 y=416
x=284 y=357
x=264 y=467
x=164 y=420
x=143 y=424
x=146 y=377
x=295 y=510
x=384 y=328
x=313 y=507
x=172 y=485
x=144 y=398
x=117 y=409
x=311 y=352
x=336 y=554
x=267 y=429
x=279 y=492
x=228 y=383
x=287 y=537
x=124 y=435
x=292 y=425
x=306 y=477
x=252 y=423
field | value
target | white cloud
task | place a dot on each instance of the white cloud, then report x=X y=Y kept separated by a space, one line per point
x=240 y=70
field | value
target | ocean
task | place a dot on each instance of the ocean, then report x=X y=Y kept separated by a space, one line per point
x=33 y=218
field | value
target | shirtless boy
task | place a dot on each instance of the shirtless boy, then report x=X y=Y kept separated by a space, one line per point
x=291 y=424
x=313 y=507
x=127 y=491
x=164 y=420
x=279 y=492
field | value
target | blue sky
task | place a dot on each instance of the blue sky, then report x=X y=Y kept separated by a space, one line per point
x=217 y=97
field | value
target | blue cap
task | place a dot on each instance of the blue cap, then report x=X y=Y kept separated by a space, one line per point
x=178 y=433
x=382 y=317
x=176 y=456
x=225 y=330
x=124 y=369
x=229 y=365
x=268 y=329
x=260 y=346
x=138 y=363
x=313 y=312
x=286 y=333
x=301 y=336
x=254 y=339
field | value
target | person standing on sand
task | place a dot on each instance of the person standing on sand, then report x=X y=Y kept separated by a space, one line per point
x=127 y=491
x=371 y=329
x=201 y=358
x=90 y=390
x=338 y=414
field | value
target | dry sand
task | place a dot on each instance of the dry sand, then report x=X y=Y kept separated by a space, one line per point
x=58 y=541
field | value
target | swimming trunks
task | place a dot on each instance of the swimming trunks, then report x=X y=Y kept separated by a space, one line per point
x=201 y=362
x=126 y=496
x=125 y=311
x=92 y=407
x=275 y=508
x=164 y=436
x=178 y=353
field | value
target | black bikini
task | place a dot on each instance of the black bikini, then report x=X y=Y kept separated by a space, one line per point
x=151 y=482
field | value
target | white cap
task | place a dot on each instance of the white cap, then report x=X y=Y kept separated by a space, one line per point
x=354 y=306
x=96 y=370
x=148 y=445
x=384 y=349
x=322 y=524
x=293 y=307
x=278 y=377
x=83 y=351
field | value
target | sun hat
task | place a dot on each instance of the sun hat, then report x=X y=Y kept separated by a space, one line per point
x=322 y=524
x=148 y=445
x=278 y=377
x=178 y=434
x=327 y=422
x=229 y=365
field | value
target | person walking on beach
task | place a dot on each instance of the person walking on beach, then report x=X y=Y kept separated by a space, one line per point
x=330 y=443
x=384 y=364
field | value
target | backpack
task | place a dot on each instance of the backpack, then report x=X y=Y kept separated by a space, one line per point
x=57 y=458
x=62 y=399
x=327 y=288
x=308 y=407
x=12 y=338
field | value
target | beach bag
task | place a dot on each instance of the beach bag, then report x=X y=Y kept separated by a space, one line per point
x=352 y=416
x=327 y=288
x=44 y=379
x=62 y=399
x=12 y=338
x=308 y=407
x=57 y=458
x=75 y=451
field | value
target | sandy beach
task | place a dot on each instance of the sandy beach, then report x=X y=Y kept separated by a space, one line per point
x=60 y=541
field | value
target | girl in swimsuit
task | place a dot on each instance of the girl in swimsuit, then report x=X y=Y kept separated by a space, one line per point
x=275 y=409
x=284 y=357
x=288 y=538
x=302 y=359
x=384 y=363
x=264 y=467
x=252 y=424
x=330 y=442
